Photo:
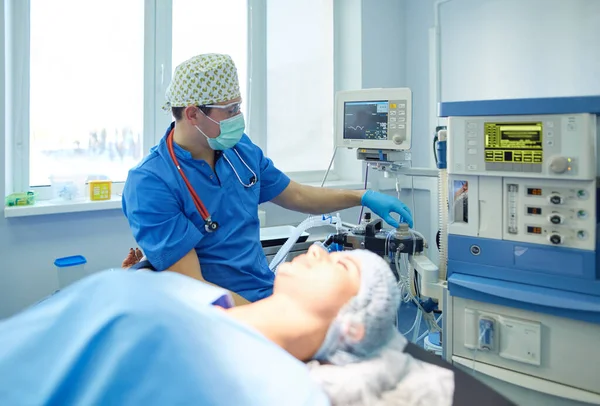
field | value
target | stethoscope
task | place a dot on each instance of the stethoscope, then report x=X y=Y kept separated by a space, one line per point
x=209 y=224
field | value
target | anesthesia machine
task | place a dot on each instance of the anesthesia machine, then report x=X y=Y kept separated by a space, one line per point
x=523 y=301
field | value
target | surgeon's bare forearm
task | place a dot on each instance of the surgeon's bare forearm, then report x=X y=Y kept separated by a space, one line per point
x=314 y=200
x=281 y=321
x=189 y=265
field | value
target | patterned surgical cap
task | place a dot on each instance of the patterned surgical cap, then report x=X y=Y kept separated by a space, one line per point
x=203 y=79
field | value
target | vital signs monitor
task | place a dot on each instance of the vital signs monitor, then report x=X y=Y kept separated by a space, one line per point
x=374 y=119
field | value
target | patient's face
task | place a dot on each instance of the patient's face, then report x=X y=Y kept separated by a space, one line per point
x=319 y=281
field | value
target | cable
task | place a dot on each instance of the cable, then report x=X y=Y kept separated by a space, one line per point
x=407 y=296
x=329 y=167
x=416 y=332
x=366 y=182
x=414 y=210
x=412 y=327
x=416 y=274
x=422 y=336
x=414 y=206
x=475 y=351
x=435 y=139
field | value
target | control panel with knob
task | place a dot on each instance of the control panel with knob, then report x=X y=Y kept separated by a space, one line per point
x=398 y=139
x=556 y=213
x=555 y=238
x=556 y=199
x=556 y=218
x=559 y=164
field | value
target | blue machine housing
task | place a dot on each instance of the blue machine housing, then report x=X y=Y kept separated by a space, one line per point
x=527 y=276
x=516 y=107
x=559 y=281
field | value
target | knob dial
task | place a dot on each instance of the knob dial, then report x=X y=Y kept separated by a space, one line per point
x=556 y=199
x=559 y=164
x=398 y=139
x=556 y=219
x=555 y=239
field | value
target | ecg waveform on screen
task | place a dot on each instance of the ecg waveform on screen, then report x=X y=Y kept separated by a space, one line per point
x=365 y=121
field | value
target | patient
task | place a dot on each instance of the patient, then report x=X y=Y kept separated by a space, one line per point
x=162 y=338
x=307 y=295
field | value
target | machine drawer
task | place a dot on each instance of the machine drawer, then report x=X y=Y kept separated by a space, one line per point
x=541 y=345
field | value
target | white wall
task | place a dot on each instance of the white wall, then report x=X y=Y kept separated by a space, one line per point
x=494 y=49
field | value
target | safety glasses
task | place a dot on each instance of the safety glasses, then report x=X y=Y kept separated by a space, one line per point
x=231 y=108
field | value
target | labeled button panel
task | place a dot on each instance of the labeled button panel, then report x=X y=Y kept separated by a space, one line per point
x=397 y=121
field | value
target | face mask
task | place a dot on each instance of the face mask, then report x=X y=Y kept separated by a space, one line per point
x=232 y=131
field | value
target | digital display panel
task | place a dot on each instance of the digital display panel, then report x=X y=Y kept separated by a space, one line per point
x=534 y=230
x=519 y=143
x=534 y=210
x=534 y=191
x=366 y=120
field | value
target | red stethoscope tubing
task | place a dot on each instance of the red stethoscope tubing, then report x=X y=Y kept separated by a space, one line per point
x=197 y=202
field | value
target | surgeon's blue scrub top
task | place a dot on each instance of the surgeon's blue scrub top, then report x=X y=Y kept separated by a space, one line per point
x=166 y=224
x=144 y=338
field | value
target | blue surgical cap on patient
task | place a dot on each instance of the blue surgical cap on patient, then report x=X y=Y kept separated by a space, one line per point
x=372 y=312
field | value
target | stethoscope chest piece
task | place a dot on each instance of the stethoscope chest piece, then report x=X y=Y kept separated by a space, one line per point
x=210 y=226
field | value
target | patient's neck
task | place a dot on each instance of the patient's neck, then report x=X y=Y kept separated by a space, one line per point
x=285 y=323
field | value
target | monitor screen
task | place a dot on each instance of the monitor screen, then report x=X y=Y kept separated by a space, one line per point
x=366 y=120
x=373 y=119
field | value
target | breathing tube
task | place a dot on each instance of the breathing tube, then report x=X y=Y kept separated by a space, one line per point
x=409 y=287
x=409 y=290
x=442 y=201
x=311 y=222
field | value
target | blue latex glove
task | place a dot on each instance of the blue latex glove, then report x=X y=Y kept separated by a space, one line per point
x=383 y=205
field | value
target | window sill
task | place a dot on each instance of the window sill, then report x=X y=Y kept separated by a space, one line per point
x=45 y=207
x=340 y=184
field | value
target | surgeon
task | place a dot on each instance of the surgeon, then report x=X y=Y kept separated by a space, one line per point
x=192 y=203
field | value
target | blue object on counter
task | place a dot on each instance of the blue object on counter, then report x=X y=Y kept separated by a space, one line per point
x=66 y=262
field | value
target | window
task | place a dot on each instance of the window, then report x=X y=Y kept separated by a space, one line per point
x=86 y=88
x=86 y=80
x=209 y=26
x=300 y=88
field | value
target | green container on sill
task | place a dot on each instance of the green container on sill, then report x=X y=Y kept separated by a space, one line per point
x=21 y=199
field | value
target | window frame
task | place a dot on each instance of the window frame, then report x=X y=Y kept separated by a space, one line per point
x=17 y=47
x=157 y=75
